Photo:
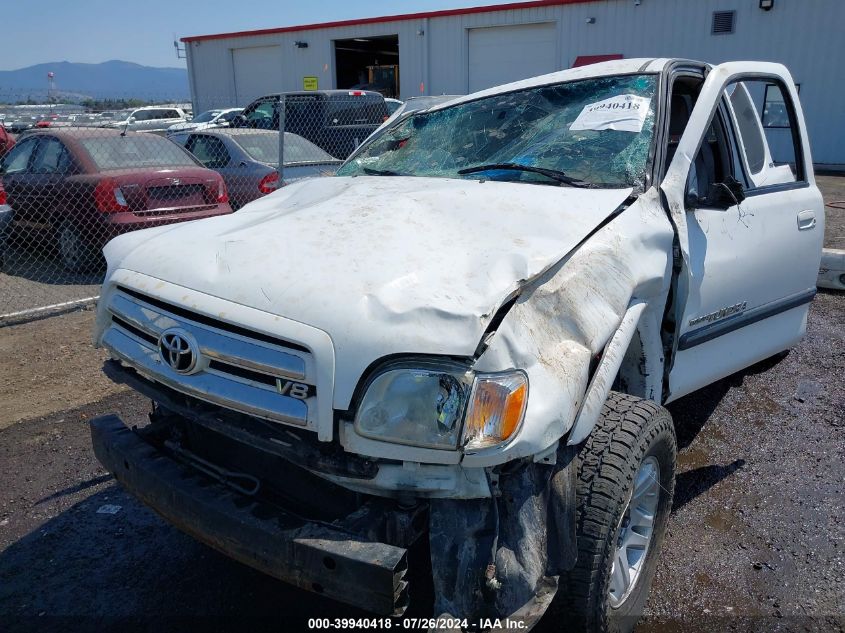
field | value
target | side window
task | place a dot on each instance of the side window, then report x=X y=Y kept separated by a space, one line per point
x=141 y=115
x=714 y=165
x=52 y=158
x=263 y=112
x=218 y=152
x=685 y=90
x=17 y=160
x=767 y=131
x=774 y=108
x=750 y=133
x=171 y=114
x=210 y=151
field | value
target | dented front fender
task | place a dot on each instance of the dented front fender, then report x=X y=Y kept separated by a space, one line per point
x=562 y=321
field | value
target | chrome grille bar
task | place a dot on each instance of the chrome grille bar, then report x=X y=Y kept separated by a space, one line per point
x=225 y=347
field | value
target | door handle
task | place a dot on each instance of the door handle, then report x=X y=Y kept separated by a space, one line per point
x=806 y=219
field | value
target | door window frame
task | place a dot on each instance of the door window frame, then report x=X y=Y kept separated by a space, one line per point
x=64 y=157
x=192 y=140
x=733 y=153
x=34 y=141
x=801 y=180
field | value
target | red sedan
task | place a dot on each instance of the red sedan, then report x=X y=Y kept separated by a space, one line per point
x=80 y=187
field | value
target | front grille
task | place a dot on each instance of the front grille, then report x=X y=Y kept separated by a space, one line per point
x=152 y=340
x=206 y=320
x=236 y=368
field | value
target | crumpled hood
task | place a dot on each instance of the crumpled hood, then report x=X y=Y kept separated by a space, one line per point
x=384 y=265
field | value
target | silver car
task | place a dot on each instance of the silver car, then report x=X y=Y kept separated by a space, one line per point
x=209 y=119
x=248 y=159
x=150 y=118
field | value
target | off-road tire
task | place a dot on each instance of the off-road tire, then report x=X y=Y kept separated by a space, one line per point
x=628 y=431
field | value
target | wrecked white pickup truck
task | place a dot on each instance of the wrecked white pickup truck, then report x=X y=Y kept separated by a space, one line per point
x=454 y=354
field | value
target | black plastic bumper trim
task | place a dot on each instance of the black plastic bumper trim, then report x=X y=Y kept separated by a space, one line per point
x=310 y=555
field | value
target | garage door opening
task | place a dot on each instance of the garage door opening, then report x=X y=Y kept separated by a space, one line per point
x=368 y=63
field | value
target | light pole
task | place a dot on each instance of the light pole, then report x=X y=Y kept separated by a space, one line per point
x=51 y=89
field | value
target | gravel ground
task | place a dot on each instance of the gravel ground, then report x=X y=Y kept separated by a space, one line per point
x=55 y=352
x=755 y=542
x=756 y=539
x=29 y=281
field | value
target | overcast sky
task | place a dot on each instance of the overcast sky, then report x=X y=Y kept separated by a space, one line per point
x=94 y=31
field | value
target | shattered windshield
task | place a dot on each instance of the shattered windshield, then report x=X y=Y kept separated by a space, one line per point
x=593 y=132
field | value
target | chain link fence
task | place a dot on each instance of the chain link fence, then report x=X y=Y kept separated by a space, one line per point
x=72 y=178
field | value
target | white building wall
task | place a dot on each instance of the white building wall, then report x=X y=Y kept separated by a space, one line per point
x=803 y=34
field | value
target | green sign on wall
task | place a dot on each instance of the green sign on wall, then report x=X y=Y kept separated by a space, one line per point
x=309 y=83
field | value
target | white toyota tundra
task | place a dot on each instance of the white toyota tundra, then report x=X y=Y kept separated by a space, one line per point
x=446 y=367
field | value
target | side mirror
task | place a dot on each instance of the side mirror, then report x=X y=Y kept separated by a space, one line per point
x=692 y=201
x=723 y=195
x=132 y=119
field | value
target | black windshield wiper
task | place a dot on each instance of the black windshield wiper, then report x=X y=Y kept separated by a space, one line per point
x=554 y=174
x=381 y=172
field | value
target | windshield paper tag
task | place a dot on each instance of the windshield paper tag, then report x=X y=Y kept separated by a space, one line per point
x=624 y=112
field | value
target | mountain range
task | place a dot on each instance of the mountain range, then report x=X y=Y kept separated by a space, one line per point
x=113 y=79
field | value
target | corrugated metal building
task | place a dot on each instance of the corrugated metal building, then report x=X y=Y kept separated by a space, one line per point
x=463 y=50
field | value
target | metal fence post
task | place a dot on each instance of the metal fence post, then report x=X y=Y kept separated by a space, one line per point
x=281 y=168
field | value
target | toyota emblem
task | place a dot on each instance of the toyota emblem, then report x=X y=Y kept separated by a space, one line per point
x=178 y=349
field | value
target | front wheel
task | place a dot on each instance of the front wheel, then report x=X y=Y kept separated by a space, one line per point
x=626 y=477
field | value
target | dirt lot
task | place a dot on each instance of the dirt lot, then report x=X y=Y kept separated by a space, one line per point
x=56 y=353
x=756 y=540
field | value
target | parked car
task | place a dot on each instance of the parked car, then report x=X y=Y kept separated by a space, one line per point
x=248 y=159
x=19 y=126
x=208 y=119
x=335 y=120
x=110 y=116
x=392 y=105
x=52 y=121
x=149 y=118
x=77 y=188
x=460 y=346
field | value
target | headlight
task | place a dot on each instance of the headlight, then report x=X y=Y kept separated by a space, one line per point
x=415 y=406
x=426 y=407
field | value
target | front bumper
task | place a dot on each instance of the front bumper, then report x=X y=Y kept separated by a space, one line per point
x=333 y=559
